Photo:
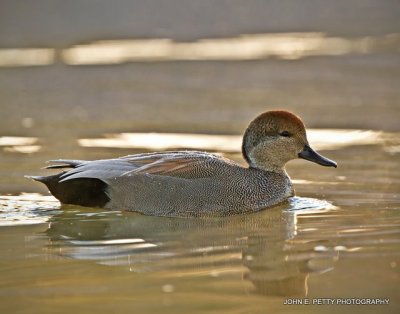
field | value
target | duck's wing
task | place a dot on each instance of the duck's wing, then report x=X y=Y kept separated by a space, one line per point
x=186 y=164
x=113 y=182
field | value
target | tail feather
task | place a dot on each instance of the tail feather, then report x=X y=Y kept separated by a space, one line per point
x=82 y=191
x=41 y=179
x=62 y=166
x=64 y=163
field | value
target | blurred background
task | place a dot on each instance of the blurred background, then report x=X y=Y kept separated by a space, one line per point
x=94 y=79
x=71 y=70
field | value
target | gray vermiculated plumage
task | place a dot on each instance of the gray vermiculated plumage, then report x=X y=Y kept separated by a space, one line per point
x=181 y=184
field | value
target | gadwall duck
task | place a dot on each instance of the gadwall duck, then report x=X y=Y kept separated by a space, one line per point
x=192 y=183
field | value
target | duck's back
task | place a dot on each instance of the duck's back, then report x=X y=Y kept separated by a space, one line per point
x=168 y=184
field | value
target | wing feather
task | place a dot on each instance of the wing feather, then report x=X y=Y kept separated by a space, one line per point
x=185 y=164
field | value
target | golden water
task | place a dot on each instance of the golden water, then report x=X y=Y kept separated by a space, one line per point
x=339 y=238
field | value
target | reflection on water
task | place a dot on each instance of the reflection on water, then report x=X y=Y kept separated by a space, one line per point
x=319 y=139
x=26 y=209
x=253 y=246
x=289 y=46
x=26 y=57
x=165 y=141
x=246 y=47
x=16 y=141
x=15 y=144
x=276 y=251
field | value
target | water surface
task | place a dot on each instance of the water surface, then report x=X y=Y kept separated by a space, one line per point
x=339 y=238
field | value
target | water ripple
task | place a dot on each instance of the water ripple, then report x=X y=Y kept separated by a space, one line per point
x=27 y=209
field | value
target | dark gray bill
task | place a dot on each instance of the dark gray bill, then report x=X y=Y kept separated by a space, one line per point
x=309 y=154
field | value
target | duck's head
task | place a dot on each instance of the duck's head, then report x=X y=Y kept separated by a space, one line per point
x=276 y=137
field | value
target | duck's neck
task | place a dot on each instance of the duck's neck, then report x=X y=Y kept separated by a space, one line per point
x=265 y=162
x=269 y=168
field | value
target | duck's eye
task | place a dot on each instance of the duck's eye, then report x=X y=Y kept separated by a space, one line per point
x=285 y=134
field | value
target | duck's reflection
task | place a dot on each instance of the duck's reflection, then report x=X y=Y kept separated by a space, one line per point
x=259 y=246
